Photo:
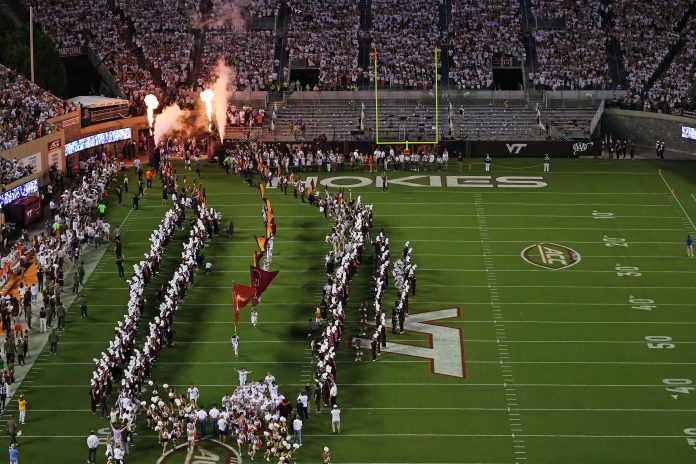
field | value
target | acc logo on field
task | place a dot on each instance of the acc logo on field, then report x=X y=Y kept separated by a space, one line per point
x=551 y=256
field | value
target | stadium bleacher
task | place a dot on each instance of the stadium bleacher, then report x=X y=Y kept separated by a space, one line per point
x=172 y=48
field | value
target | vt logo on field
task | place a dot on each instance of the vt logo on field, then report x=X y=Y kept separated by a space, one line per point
x=205 y=452
x=446 y=344
x=551 y=256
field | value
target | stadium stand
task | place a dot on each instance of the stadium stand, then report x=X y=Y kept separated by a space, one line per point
x=670 y=89
x=324 y=33
x=647 y=32
x=24 y=109
x=480 y=31
x=574 y=55
x=405 y=58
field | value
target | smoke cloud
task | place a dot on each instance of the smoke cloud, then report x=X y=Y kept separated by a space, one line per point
x=226 y=75
x=169 y=121
x=230 y=14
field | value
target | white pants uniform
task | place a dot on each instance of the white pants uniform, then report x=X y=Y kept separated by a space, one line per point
x=488 y=166
x=235 y=347
x=546 y=166
x=254 y=318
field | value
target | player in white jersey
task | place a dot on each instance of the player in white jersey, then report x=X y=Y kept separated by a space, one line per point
x=547 y=162
x=243 y=376
x=234 y=341
x=193 y=395
x=487 y=162
x=254 y=316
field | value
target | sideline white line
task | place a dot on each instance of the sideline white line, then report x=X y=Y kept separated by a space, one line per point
x=462 y=384
x=671 y=191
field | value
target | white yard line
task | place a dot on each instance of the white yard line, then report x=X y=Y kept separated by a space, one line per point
x=501 y=341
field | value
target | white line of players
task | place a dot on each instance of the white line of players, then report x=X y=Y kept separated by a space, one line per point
x=140 y=364
x=380 y=283
x=351 y=230
x=110 y=366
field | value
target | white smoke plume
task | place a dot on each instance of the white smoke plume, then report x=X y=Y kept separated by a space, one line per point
x=231 y=14
x=226 y=76
x=168 y=122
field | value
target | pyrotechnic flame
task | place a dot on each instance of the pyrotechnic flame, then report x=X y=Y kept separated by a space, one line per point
x=207 y=98
x=152 y=103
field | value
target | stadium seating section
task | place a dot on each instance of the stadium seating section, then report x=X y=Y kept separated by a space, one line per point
x=172 y=48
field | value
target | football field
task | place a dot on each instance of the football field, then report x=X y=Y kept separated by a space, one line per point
x=567 y=296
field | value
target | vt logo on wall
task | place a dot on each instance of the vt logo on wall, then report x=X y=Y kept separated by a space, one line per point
x=550 y=256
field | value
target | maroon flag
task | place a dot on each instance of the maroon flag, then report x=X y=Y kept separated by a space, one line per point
x=241 y=294
x=260 y=280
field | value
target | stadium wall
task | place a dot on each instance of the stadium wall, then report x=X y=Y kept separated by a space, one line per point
x=645 y=128
x=477 y=149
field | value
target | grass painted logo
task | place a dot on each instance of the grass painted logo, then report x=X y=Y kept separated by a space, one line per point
x=206 y=451
x=551 y=256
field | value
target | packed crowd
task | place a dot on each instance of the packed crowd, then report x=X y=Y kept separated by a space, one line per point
x=325 y=34
x=11 y=171
x=249 y=53
x=478 y=32
x=24 y=109
x=405 y=35
x=646 y=33
x=162 y=33
x=670 y=89
x=51 y=248
x=572 y=57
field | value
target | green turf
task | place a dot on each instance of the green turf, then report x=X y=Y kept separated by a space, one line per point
x=587 y=389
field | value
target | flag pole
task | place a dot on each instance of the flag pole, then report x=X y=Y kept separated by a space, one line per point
x=31 y=42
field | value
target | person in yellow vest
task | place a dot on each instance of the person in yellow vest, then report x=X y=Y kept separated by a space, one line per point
x=22 y=405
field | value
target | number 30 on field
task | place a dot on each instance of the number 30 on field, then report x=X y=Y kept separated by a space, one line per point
x=661 y=339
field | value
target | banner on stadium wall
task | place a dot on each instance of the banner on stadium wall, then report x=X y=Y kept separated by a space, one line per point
x=535 y=148
x=55 y=154
x=32 y=160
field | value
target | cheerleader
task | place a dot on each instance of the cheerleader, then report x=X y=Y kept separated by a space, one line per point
x=109 y=448
x=164 y=439
x=191 y=436
x=175 y=434
x=172 y=396
x=254 y=446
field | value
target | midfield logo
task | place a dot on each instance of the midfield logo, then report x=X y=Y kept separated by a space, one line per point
x=551 y=256
x=205 y=452
x=446 y=344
